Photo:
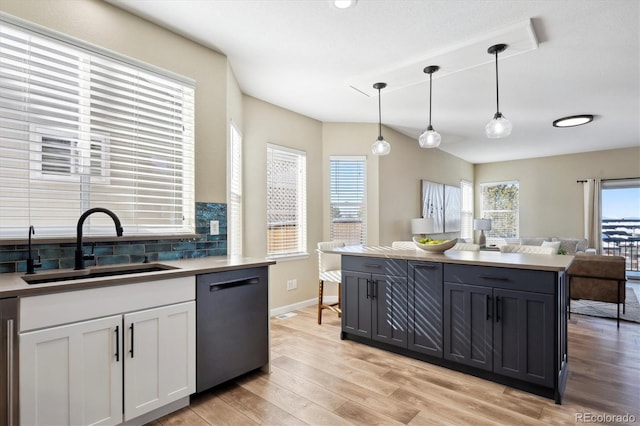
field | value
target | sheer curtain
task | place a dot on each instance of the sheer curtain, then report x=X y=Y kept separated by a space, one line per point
x=592 y=217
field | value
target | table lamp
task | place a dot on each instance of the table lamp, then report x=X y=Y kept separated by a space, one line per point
x=482 y=225
x=423 y=226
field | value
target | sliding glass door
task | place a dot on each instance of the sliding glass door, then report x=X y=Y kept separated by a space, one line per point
x=621 y=220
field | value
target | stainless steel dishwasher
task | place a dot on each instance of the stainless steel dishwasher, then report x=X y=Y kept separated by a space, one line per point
x=232 y=324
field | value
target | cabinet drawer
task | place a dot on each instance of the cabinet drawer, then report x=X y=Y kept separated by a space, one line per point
x=509 y=278
x=375 y=265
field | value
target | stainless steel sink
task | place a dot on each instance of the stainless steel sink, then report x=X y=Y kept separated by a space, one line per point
x=107 y=271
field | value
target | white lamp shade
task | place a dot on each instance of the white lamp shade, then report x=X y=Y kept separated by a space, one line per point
x=429 y=139
x=482 y=224
x=498 y=127
x=423 y=225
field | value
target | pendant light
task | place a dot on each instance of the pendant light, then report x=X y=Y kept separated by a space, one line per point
x=499 y=126
x=430 y=138
x=380 y=146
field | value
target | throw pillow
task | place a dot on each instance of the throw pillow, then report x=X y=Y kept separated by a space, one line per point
x=570 y=245
x=554 y=244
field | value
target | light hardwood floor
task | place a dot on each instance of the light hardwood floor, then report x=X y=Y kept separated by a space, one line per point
x=317 y=379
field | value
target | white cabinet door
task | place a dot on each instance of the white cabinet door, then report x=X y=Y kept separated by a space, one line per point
x=72 y=374
x=159 y=358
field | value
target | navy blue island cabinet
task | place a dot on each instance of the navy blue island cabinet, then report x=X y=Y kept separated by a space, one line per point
x=505 y=323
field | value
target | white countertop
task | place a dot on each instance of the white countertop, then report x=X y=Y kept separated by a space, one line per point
x=539 y=262
x=12 y=285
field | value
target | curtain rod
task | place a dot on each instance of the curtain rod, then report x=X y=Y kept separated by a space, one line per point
x=606 y=180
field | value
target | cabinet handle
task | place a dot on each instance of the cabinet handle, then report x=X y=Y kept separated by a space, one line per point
x=425 y=266
x=492 y=277
x=498 y=308
x=368 y=288
x=488 y=308
x=131 y=350
x=10 y=371
x=375 y=289
x=117 y=343
x=373 y=265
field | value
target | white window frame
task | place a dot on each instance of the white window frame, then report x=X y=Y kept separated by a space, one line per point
x=299 y=210
x=354 y=205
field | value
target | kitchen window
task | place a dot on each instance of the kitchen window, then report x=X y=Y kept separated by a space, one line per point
x=348 y=201
x=82 y=127
x=286 y=202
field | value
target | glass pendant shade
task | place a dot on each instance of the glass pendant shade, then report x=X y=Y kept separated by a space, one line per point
x=498 y=127
x=380 y=147
x=429 y=138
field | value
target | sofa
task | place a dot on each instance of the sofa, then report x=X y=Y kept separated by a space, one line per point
x=563 y=245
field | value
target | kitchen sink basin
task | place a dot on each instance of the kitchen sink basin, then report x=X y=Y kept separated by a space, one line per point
x=98 y=272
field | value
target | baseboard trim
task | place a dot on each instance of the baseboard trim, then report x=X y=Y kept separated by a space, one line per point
x=300 y=305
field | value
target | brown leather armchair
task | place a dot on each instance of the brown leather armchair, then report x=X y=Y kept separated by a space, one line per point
x=600 y=278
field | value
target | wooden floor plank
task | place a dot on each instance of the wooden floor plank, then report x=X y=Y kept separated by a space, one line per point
x=318 y=379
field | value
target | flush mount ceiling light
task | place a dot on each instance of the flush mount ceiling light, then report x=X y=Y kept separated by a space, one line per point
x=344 y=4
x=499 y=126
x=574 y=120
x=380 y=146
x=430 y=138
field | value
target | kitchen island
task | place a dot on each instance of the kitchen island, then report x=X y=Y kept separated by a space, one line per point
x=499 y=316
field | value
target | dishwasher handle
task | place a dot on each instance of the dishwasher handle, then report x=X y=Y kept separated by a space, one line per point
x=223 y=285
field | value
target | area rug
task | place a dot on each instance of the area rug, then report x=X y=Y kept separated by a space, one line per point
x=609 y=310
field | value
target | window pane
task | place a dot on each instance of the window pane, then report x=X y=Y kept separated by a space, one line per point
x=500 y=203
x=286 y=201
x=348 y=200
x=466 y=210
x=234 y=220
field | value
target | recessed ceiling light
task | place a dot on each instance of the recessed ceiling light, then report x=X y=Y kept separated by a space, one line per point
x=574 y=120
x=344 y=4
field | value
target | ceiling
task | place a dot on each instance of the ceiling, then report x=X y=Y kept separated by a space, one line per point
x=565 y=58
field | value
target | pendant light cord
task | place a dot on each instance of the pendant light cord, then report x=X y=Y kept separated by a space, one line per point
x=430 y=91
x=379 y=116
x=497 y=88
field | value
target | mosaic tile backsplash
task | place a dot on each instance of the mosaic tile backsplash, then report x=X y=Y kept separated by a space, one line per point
x=13 y=258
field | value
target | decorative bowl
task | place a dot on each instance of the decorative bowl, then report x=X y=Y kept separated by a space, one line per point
x=436 y=248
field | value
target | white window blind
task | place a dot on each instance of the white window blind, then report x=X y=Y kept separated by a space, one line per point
x=286 y=202
x=234 y=210
x=466 y=210
x=500 y=203
x=83 y=128
x=348 y=202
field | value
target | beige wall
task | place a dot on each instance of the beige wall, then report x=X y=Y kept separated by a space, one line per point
x=550 y=198
x=111 y=28
x=266 y=123
x=401 y=173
